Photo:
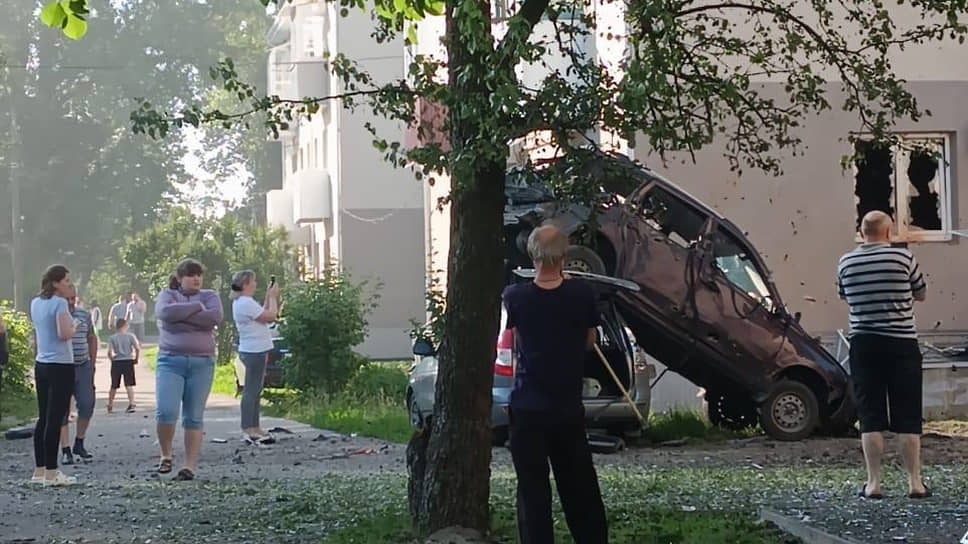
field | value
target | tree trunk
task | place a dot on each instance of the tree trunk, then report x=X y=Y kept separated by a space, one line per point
x=450 y=468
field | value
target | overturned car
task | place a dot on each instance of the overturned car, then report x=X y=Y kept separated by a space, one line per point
x=707 y=307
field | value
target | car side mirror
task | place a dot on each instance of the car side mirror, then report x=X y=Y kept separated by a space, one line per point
x=423 y=348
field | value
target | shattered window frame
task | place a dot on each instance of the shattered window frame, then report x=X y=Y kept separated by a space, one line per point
x=902 y=187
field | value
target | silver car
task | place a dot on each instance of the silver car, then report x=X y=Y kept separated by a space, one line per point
x=605 y=405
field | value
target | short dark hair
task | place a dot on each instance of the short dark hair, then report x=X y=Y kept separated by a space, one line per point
x=121 y=323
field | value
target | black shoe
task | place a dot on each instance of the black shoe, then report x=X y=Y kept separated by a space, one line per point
x=81 y=452
x=66 y=457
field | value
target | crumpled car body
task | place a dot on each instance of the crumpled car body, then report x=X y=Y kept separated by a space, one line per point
x=708 y=309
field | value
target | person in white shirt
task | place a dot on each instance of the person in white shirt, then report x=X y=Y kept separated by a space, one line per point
x=255 y=342
x=135 y=315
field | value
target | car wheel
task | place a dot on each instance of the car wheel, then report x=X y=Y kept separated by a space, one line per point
x=583 y=259
x=500 y=436
x=416 y=418
x=791 y=412
x=730 y=411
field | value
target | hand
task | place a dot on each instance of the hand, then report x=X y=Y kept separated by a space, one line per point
x=273 y=291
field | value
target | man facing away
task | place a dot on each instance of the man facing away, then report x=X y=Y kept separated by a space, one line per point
x=555 y=321
x=117 y=311
x=84 y=344
x=880 y=284
x=135 y=316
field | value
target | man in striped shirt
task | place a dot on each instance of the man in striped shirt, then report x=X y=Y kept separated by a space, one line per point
x=880 y=284
x=84 y=344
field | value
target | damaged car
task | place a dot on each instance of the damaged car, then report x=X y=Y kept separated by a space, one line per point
x=707 y=306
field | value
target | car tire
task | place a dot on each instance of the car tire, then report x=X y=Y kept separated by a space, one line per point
x=584 y=259
x=499 y=436
x=413 y=412
x=732 y=412
x=791 y=411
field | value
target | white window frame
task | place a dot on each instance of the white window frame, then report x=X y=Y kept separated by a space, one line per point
x=314 y=37
x=901 y=191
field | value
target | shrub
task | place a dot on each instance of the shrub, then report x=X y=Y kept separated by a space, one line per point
x=383 y=381
x=323 y=320
x=16 y=375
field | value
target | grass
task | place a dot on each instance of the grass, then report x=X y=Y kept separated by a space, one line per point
x=690 y=425
x=371 y=404
x=223 y=384
x=16 y=409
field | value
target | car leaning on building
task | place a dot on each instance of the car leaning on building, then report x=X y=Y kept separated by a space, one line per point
x=707 y=306
x=605 y=406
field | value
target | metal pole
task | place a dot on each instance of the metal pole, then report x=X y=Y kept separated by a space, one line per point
x=15 y=229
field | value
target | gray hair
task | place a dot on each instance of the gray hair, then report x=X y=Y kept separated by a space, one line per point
x=239 y=279
x=547 y=245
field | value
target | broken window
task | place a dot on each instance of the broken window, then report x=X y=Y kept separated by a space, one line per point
x=909 y=181
x=734 y=261
x=667 y=213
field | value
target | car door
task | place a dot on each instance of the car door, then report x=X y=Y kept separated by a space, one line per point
x=660 y=242
x=739 y=309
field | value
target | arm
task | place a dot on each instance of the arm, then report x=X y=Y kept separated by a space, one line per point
x=137 y=351
x=142 y=306
x=91 y=340
x=592 y=337
x=110 y=352
x=919 y=287
x=209 y=316
x=270 y=310
x=169 y=311
x=4 y=354
x=65 y=324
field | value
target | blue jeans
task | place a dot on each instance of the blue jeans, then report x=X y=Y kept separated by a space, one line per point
x=183 y=381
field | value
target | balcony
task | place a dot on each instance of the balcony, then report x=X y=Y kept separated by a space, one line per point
x=312 y=200
x=279 y=213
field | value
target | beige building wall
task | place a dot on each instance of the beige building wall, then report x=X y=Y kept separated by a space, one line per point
x=802 y=221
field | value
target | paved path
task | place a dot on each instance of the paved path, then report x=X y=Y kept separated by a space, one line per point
x=121 y=498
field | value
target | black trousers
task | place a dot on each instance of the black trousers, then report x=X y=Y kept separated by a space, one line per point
x=536 y=440
x=55 y=385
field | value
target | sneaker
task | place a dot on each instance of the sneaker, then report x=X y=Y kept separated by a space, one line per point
x=66 y=457
x=255 y=440
x=60 y=480
x=37 y=480
x=130 y=409
x=110 y=408
x=81 y=452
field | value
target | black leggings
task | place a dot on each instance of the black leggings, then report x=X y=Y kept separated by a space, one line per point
x=55 y=385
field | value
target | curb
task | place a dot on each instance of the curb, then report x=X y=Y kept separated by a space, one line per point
x=799 y=529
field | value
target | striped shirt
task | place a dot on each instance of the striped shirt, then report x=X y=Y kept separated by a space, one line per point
x=880 y=284
x=79 y=340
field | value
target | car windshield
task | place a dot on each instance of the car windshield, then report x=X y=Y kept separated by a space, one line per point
x=734 y=261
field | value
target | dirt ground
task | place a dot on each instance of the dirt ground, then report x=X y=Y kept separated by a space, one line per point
x=248 y=494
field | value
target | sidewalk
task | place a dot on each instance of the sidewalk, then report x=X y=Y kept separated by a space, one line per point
x=121 y=479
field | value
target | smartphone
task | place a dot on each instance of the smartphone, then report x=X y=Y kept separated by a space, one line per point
x=272 y=280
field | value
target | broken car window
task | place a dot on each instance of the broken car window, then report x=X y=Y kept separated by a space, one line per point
x=733 y=259
x=667 y=213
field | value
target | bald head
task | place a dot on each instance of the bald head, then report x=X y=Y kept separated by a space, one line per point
x=876 y=226
x=547 y=246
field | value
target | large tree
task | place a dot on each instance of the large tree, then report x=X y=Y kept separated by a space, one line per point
x=691 y=75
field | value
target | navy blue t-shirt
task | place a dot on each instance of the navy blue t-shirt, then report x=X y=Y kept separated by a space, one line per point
x=552 y=337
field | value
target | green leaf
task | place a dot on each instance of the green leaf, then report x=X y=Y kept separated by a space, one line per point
x=435 y=8
x=412 y=34
x=53 y=14
x=76 y=27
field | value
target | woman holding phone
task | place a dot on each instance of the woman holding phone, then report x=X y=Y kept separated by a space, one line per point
x=53 y=372
x=255 y=342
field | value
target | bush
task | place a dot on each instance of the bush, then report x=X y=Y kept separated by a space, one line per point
x=383 y=381
x=16 y=375
x=323 y=321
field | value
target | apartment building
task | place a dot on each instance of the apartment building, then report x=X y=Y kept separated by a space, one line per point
x=341 y=203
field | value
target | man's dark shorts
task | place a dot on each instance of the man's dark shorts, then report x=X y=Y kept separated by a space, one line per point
x=887 y=374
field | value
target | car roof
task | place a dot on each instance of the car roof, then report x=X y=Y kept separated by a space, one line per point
x=530 y=273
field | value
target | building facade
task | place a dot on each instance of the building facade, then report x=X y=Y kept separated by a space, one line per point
x=342 y=204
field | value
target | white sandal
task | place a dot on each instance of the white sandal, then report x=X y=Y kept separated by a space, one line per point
x=60 y=480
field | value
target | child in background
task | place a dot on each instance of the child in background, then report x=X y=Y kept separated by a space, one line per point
x=124 y=352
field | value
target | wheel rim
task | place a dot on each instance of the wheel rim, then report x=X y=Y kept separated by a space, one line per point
x=578 y=265
x=790 y=413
